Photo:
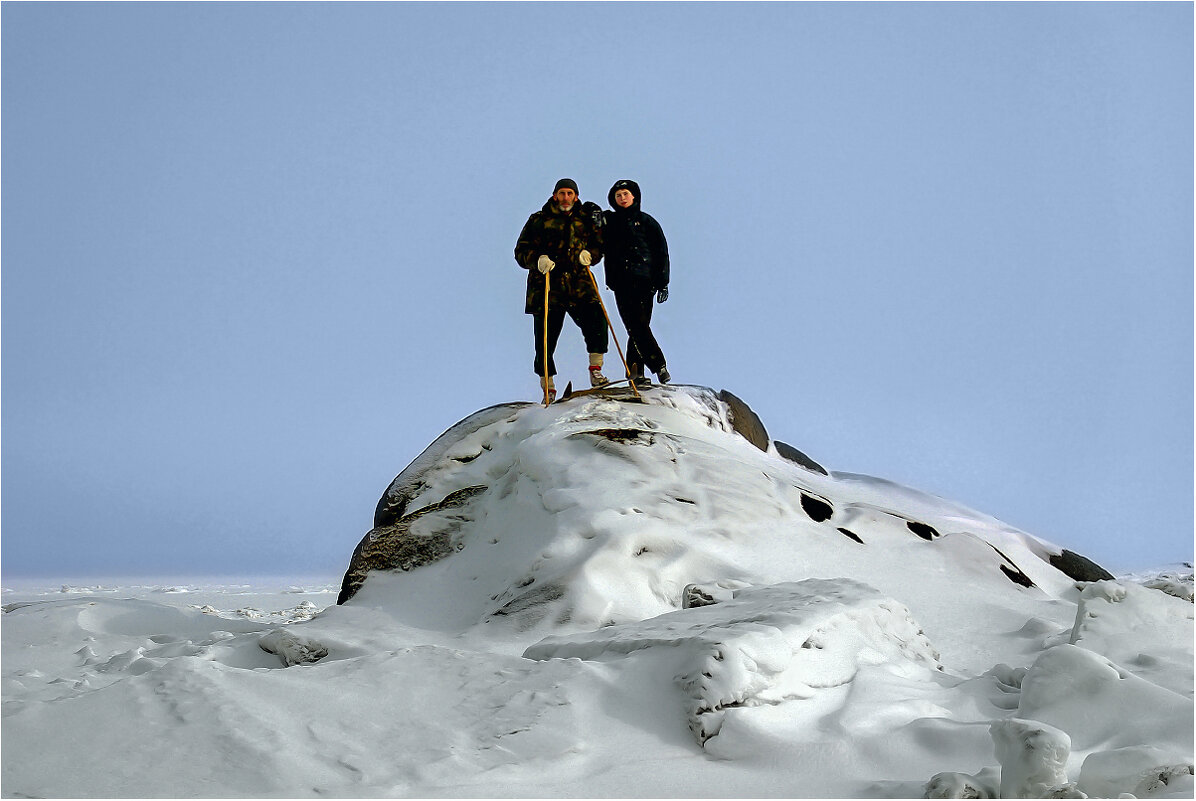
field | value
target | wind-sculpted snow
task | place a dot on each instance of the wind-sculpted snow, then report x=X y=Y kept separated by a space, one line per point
x=605 y=598
x=768 y=645
x=598 y=511
x=1110 y=617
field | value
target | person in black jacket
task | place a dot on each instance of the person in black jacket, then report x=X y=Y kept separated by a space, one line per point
x=637 y=267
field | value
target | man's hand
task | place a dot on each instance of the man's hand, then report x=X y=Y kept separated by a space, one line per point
x=662 y=295
x=585 y=258
x=545 y=264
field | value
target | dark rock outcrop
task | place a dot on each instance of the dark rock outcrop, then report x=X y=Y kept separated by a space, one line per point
x=1012 y=571
x=1080 y=568
x=818 y=509
x=417 y=539
x=694 y=596
x=849 y=533
x=745 y=422
x=797 y=457
x=626 y=436
x=1017 y=576
x=926 y=532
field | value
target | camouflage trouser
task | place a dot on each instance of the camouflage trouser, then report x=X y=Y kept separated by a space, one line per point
x=588 y=315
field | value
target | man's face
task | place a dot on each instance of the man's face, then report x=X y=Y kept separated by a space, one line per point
x=565 y=198
x=624 y=198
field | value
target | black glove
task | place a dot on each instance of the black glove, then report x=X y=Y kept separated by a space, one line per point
x=662 y=295
x=595 y=212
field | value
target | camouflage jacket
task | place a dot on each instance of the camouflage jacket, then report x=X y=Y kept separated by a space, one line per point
x=561 y=237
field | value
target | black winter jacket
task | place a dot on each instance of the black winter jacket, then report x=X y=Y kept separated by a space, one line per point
x=637 y=254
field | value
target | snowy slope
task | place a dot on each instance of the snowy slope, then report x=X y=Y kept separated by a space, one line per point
x=607 y=598
x=600 y=511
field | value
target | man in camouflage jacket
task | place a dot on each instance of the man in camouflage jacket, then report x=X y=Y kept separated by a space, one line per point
x=562 y=241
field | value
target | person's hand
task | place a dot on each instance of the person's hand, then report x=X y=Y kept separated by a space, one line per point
x=585 y=258
x=545 y=264
x=662 y=295
x=595 y=212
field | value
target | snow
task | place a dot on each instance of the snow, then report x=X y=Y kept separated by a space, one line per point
x=636 y=602
x=1033 y=758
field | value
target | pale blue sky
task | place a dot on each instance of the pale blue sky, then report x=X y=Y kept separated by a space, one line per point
x=257 y=256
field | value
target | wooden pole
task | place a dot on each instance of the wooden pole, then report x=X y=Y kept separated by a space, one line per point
x=615 y=337
x=547 y=396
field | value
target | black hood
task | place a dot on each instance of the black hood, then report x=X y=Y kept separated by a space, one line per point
x=624 y=183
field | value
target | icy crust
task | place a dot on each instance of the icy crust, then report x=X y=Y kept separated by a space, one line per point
x=766 y=645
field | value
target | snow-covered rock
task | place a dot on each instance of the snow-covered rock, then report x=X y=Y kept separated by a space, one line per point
x=1033 y=758
x=292 y=649
x=986 y=784
x=598 y=511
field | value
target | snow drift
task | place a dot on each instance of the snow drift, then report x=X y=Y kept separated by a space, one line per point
x=613 y=598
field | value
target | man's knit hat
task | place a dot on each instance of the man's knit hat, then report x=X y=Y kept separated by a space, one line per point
x=565 y=183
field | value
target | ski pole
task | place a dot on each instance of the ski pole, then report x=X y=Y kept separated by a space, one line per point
x=614 y=336
x=547 y=398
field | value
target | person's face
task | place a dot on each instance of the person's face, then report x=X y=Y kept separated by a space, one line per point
x=565 y=198
x=624 y=198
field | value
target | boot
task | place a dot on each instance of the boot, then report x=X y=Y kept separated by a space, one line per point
x=546 y=384
x=597 y=379
x=637 y=375
x=662 y=375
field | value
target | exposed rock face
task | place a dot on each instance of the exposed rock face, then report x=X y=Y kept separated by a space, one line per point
x=797 y=457
x=745 y=421
x=1079 y=567
x=819 y=509
x=420 y=538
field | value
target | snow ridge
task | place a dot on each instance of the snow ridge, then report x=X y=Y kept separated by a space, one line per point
x=767 y=645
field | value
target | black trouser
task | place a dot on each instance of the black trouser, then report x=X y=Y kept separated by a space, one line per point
x=589 y=319
x=635 y=307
